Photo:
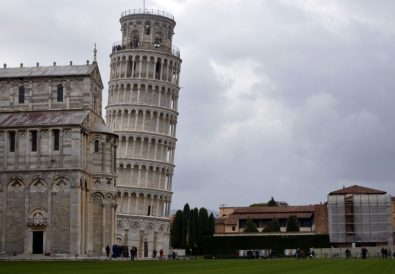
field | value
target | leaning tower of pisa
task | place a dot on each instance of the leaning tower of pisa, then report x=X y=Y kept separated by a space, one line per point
x=142 y=110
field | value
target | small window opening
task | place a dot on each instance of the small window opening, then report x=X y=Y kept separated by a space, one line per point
x=12 y=141
x=149 y=211
x=96 y=146
x=147 y=28
x=157 y=69
x=157 y=42
x=60 y=93
x=56 y=139
x=135 y=42
x=34 y=140
x=21 y=95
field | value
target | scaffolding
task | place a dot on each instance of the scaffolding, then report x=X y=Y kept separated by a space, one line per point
x=360 y=218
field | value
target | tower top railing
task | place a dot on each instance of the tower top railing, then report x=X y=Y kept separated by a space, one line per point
x=147 y=11
x=117 y=46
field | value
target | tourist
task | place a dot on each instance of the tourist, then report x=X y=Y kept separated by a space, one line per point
x=161 y=254
x=108 y=251
x=348 y=253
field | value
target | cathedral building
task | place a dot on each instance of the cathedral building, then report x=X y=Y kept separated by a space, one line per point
x=57 y=162
x=142 y=109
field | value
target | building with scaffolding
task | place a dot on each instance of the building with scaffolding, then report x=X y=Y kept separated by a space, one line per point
x=361 y=216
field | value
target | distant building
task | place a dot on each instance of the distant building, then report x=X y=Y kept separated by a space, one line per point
x=57 y=162
x=360 y=215
x=312 y=218
x=355 y=214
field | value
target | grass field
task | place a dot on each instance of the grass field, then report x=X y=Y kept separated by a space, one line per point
x=284 y=266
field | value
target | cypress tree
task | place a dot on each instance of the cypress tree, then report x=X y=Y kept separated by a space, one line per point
x=211 y=224
x=176 y=230
x=185 y=226
x=202 y=226
x=193 y=228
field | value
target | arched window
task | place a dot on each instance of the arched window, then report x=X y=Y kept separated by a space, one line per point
x=96 y=146
x=147 y=28
x=21 y=95
x=60 y=93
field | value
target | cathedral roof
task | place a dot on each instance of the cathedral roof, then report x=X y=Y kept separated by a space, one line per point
x=42 y=118
x=73 y=70
x=100 y=127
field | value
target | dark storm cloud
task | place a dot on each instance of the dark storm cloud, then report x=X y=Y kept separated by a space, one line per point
x=290 y=99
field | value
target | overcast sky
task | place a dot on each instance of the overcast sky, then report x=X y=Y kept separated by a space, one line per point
x=284 y=98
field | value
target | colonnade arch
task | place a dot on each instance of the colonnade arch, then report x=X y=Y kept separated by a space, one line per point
x=142 y=119
x=145 y=147
x=143 y=94
x=143 y=203
x=148 y=176
x=164 y=68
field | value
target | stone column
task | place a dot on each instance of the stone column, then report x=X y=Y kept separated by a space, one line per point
x=3 y=198
x=28 y=232
x=104 y=205
x=113 y=208
x=128 y=210
x=141 y=244
x=155 y=239
x=90 y=228
x=126 y=238
x=136 y=208
x=75 y=220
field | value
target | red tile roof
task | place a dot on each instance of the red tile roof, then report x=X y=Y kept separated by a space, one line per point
x=355 y=189
x=274 y=209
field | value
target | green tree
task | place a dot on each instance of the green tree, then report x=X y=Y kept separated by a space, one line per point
x=211 y=225
x=258 y=205
x=193 y=228
x=272 y=226
x=176 y=230
x=292 y=224
x=185 y=226
x=202 y=226
x=250 y=226
x=272 y=202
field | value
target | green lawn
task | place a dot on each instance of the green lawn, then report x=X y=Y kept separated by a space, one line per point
x=283 y=266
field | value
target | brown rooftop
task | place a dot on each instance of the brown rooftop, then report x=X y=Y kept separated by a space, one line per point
x=42 y=118
x=273 y=209
x=355 y=189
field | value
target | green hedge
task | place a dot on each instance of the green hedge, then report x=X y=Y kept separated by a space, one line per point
x=226 y=245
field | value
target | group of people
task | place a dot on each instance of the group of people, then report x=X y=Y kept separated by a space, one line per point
x=123 y=251
x=385 y=253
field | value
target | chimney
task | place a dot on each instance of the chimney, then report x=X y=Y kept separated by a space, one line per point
x=21 y=65
x=54 y=64
x=37 y=64
x=4 y=65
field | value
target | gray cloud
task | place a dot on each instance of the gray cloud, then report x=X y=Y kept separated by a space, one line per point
x=290 y=98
